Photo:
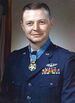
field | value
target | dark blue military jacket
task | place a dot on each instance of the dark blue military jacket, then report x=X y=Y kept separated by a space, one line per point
x=53 y=81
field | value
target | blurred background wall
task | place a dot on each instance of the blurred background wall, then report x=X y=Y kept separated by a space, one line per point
x=63 y=32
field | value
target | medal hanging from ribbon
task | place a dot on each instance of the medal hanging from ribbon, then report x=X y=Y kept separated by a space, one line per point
x=32 y=65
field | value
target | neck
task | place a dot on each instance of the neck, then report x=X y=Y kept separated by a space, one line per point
x=36 y=46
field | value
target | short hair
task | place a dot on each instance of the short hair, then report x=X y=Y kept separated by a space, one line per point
x=35 y=6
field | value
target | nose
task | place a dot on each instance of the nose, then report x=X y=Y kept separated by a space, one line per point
x=35 y=26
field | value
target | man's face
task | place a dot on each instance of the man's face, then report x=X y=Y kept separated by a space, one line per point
x=36 y=24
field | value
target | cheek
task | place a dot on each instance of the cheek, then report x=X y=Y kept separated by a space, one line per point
x=27 y=29
x=45 y=28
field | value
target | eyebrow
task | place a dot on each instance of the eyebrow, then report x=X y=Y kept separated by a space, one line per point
x=37 y=20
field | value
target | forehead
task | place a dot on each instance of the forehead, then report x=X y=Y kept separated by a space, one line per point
x=35 y=14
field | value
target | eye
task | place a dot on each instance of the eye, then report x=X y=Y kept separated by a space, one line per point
x=42 y=22
x=29 y=23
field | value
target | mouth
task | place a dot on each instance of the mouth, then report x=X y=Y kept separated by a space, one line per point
x=36 y=35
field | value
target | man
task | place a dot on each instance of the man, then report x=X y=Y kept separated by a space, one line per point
x=41 y=72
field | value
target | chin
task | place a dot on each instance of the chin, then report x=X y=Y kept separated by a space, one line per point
x=36 y=40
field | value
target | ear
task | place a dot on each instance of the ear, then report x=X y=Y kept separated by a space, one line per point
x=52 y=21
x=22 y=26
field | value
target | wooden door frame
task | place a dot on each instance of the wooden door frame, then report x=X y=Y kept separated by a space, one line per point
x=8 y=30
